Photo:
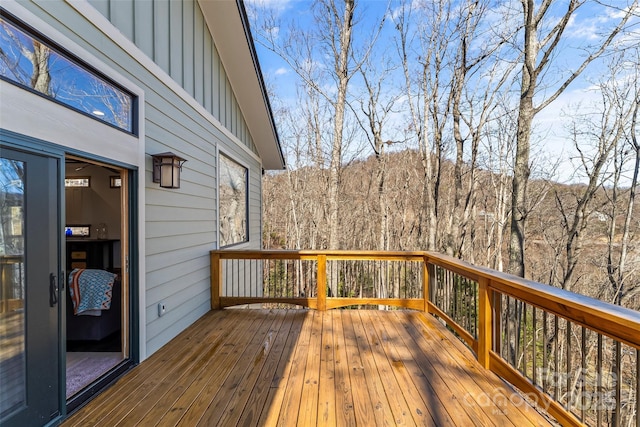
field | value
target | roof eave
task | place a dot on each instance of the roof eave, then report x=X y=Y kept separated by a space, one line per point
x=229 y=25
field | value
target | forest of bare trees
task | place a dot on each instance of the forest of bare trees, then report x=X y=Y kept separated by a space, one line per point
x=434 y=125
x=415 y=128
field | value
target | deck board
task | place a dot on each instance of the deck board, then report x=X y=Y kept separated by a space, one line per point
x=305 y=367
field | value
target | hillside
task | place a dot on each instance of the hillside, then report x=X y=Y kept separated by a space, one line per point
x=382 y=207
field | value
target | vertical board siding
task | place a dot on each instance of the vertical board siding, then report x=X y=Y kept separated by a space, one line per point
x=222 y=94
x=102 y=6
x=174 y=34
x=144 y=33
x=180 y=225
x=216 y=88
x=207 y=73
x=228 y=96
x=161 y=35
x=121 y=14
x=175 y=41
x=188 y=57
x=199 y=58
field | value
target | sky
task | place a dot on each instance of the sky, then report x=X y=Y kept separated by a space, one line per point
x=550 y=124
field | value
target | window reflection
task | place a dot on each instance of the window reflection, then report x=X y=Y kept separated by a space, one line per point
x=28 y=62
x=233 y=202
x=12 y=290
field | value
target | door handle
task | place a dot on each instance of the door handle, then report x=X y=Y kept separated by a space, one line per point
x=53 y=290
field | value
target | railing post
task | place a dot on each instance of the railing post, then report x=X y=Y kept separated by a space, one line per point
x=216 y=281
x=322 y=283
x=426 y=282
x=485 y=323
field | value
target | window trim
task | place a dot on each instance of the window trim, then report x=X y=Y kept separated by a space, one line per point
x=247 y=239
x=74 y=59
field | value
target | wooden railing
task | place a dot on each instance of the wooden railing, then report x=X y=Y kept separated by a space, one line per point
x=311 y=278
x=12 y=292
x=576 y=357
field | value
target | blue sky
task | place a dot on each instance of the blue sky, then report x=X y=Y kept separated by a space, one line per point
x=584 y=28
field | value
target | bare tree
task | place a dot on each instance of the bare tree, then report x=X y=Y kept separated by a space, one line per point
x=376 y=106
x=422 y=29
x=542 y=37
x=498 y=148
x=38 y=55
x=326 y=59
x=595 y=142
x=620 y=258
x=477 y=81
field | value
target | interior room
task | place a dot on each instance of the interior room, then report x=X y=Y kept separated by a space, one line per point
x=95 y=294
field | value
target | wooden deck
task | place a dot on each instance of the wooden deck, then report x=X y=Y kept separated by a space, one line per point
x=306 y=367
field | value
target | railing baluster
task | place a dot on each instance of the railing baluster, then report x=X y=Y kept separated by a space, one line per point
x=583 y=374
x=618 y=381
x=517 y=308
x=568 y=367
x=534 y=330
x=475 y=309
x=524 y=339
x=556 y=379
x=237 y=277
x=545 y=357
x=497 y=323
x=600 y=391
x=508 y=330
x=637 y=388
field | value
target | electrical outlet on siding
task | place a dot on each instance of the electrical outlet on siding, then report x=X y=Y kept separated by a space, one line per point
x=162 y=309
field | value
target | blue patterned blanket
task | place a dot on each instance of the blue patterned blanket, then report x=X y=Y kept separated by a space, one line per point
x=90 y=290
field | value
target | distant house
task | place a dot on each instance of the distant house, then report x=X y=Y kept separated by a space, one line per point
x=91 y=92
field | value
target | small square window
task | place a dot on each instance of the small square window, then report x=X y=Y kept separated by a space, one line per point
x=115 y=181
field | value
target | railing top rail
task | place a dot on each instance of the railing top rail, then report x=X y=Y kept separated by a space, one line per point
x=612 y=320
x=316 y=252
x=312 y=254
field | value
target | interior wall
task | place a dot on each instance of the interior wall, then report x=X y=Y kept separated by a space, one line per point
x=96 y=204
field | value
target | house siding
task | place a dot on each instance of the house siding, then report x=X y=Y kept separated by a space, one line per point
x=180 y=225
x=173 y=34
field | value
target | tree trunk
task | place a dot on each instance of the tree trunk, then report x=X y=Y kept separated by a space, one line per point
x=342 y=72
x=41 y=78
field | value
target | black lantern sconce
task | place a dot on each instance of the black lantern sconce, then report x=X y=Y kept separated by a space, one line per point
x=166 y=169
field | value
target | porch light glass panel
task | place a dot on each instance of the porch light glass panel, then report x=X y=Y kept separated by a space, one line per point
x=166 y=169
x=34 y=64
x=170 y=173
x=233 y=202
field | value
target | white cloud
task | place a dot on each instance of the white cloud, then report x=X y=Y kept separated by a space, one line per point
x=278 y=6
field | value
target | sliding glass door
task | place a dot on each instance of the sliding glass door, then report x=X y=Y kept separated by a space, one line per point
x=29 y=288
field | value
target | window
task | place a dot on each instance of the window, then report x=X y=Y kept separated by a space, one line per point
x=29 y=61
x=233 y=202
x=79 y=181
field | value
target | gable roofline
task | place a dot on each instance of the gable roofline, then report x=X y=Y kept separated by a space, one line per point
x=228 y=22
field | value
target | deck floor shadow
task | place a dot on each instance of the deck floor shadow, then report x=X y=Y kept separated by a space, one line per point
x=253 y=367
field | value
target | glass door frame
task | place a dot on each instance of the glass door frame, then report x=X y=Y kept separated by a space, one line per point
x=28 y=144
x=128 y=238
x=32 y=147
